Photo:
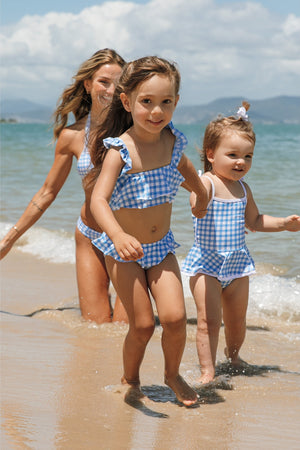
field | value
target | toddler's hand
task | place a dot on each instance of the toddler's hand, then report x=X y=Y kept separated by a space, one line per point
x=292 y=223
x=199 y=208
x=128 y=247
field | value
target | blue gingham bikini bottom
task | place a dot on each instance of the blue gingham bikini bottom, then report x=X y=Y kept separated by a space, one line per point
x=154 y=252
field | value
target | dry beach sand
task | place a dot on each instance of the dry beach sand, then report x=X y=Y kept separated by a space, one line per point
x=60 y=377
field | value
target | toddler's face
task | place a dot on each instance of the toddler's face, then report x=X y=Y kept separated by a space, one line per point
x=232 y=159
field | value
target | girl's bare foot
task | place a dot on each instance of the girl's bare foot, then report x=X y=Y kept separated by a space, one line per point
x=133 y=393
x=235 y=360
x=184 y=393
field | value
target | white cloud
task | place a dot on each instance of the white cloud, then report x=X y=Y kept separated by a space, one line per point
x=235 y=49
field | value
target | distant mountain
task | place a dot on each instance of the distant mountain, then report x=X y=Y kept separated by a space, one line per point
x=281 y=109
x=24 y=110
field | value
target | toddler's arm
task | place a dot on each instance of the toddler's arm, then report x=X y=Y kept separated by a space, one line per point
x=263 y=222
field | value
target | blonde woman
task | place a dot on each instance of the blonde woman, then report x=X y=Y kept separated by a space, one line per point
x=87 y=98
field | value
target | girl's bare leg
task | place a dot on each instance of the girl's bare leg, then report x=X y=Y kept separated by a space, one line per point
x=235 y=303
x=130 y=283
x=119 y=314
x=207 y=295
x=165 y=284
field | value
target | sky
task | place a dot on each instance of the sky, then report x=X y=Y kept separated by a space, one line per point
x=222 y=48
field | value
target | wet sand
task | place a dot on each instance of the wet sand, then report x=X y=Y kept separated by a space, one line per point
x=60 y=377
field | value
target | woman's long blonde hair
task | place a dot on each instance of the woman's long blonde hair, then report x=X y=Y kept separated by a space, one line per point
x=74 y=98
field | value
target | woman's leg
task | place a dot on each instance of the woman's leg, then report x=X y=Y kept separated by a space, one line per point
x=164 y=281
x=235 y=303
x=130 y=283
x=93 y=283
x=207 y=293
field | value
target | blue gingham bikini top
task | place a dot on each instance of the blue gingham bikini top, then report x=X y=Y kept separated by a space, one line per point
x=152 y=187
x=84 y=163
x=222 y=229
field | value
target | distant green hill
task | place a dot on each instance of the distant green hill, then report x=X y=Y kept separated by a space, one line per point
x=282 y=109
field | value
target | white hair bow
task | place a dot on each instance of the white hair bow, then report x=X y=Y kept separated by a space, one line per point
x=242 y=113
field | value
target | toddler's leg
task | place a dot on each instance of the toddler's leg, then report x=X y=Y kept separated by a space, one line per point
x=166 y=287
x=207 y=295
x=235 y=303
x=130 y=283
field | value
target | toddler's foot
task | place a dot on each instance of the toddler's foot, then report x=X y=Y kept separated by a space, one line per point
x=184 y=393
x=205 y=379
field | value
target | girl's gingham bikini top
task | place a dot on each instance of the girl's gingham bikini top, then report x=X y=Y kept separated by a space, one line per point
x=84 y=163
x=150 y=188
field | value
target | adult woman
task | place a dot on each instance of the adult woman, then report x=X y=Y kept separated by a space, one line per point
x=87 y=98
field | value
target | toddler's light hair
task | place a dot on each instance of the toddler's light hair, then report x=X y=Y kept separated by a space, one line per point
x=222 y=126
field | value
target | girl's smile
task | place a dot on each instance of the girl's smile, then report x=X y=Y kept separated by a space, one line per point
x=152 y=103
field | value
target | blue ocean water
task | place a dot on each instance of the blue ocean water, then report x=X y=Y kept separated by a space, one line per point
x=27 y=154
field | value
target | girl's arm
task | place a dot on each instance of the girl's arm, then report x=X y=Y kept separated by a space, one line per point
x=127 y=246
x=262 y=222
x=45 y=195
x=193 y=183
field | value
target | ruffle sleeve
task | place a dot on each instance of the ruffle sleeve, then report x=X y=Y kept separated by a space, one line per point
x=179 y=146
x=121 y=147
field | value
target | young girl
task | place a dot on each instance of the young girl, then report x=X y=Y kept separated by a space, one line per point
x=219 y=263
x=132 y=203
x=87 y=98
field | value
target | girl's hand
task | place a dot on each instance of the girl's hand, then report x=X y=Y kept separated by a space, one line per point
x=292 y=223
x=199 y=207
x=128 y=247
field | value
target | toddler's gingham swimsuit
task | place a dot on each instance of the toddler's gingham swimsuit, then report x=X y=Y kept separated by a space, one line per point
x=84 y=165
x=144 y=190
x=219 y=248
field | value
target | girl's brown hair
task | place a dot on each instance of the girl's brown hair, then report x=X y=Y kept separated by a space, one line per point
x=217 y=128
x=118 y=120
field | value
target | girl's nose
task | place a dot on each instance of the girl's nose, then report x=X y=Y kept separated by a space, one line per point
x=156 y=110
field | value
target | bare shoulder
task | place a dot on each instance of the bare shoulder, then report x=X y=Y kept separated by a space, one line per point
x=207 y=179
x=71 y=139
x=247 y=187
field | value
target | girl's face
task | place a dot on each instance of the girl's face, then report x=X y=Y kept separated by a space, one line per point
x=232 y=159
x=152 y=103
x=102 y=85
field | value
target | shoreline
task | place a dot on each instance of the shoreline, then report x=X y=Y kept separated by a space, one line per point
x=61 y=377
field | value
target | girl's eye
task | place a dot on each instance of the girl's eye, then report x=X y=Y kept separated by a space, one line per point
x=146 y=100
x=167 y=101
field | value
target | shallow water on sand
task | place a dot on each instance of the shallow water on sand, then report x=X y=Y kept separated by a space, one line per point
x=60 y=379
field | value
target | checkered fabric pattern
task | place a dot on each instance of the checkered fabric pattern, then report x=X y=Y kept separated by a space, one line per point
x=86 y=231
x=150 y=188
x=154 y=253
x=84 y=163
x=219 y=248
